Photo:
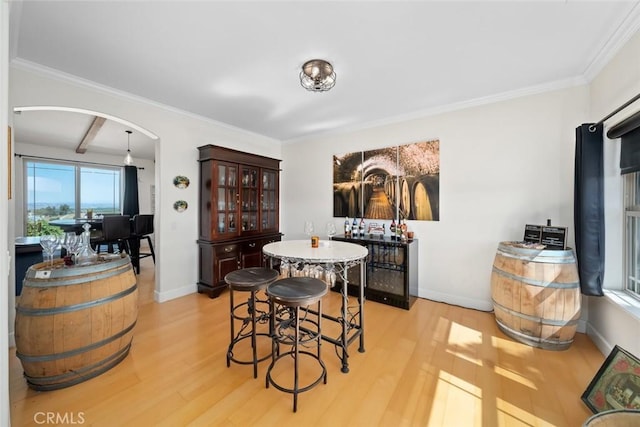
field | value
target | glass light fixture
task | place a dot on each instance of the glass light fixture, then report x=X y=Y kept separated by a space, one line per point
x=317 y=75
x=128 y=160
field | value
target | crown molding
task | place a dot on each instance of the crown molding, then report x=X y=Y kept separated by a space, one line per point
x=629 y=26
x=457 y=106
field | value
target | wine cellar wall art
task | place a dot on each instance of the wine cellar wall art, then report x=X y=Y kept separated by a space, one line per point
x=389 y=183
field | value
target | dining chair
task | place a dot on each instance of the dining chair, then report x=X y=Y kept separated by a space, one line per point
x=142 y=229
x=116 y=230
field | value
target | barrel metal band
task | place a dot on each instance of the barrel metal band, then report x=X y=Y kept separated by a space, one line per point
x=532 y=339
x=78 y=375
x=550 y=322
x=73 y=280
x=539 y=258
x=542 y=283
x=56 y=356
x=75 y=307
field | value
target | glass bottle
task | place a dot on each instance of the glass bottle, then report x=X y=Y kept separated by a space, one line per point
x=86 y=253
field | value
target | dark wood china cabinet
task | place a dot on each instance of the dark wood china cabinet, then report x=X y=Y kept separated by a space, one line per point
x=238 y=213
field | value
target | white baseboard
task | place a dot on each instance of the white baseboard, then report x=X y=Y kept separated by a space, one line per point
x=174 y=293
x=456 y=300
x=582 y=326
x=603 y=345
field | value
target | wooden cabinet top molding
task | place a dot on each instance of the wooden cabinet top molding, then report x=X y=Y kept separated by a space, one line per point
x=215 y=152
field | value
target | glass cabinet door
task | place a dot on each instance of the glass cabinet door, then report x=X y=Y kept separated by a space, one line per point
x=269 y=202
x=226 y=198
x=249 y=199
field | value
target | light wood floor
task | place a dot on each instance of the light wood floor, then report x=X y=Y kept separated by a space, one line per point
x=435 y=365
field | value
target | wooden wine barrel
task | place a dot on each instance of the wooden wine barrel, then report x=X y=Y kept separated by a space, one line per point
x=406 y=193
x=536 y=295
x=74 y=323
x=349 y=193
x=367 y=192
x=390 y=189
x=425 y=200
x=340 y=207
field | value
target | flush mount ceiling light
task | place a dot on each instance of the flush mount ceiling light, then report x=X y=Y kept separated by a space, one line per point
x=128 y=160
x=317 y=75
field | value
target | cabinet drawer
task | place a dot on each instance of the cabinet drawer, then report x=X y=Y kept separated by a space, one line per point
x=252 y=246
x=225 y=250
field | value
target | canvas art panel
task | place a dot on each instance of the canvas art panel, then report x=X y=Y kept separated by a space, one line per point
x=399 y=182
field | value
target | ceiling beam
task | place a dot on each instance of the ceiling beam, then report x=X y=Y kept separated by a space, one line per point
x=90 y=135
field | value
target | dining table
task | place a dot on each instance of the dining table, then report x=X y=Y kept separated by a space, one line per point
x=334 y=259
x=75 y=224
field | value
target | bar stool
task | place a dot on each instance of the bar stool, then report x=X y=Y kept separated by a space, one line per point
x=288 y=296
x=252 y=280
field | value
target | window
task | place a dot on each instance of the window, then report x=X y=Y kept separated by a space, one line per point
x=59 y=190
x=632 y=232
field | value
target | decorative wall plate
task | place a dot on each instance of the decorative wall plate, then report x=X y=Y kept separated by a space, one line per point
x=180 y=206
x=181 y=181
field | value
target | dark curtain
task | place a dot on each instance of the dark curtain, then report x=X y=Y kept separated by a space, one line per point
x=588 y=209
x=130 y=205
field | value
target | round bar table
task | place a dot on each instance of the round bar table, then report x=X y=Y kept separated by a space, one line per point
x=340 y=256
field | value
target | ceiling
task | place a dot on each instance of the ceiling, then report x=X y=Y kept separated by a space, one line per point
x=238 y=62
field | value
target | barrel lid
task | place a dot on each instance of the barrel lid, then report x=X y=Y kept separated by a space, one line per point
x=537 y=253
x=44 y=270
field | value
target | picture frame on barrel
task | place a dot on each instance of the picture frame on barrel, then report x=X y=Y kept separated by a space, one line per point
x=616 y=385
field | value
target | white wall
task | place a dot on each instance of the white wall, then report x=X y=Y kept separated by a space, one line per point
x=502 y=165
x=609 y=323
x=176 y=154
x=5 y=260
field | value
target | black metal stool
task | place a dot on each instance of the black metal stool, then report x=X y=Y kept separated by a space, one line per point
x=295 y=327
x=251 y=280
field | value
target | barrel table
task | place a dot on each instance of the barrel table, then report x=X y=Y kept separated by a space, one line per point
x=75 y=322
x=536 y=295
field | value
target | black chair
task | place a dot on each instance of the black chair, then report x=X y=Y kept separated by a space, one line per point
x=142 y=228
x=116 y=230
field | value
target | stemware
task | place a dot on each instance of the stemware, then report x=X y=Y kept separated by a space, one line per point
x=308 y=228
x=67 y=241
x=331 y=229
x=74 y=244
x=49 y=244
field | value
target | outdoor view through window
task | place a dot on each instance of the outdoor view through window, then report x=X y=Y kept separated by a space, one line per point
x=60 y=190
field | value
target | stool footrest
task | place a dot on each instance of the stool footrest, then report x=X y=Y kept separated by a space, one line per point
x=231 y=358
x=295 y=390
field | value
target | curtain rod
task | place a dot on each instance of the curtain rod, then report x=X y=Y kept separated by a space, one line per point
x=592 y=128
x=68 y=161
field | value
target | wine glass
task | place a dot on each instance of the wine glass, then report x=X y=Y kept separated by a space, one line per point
x=67 y=241
x=49 y=244
x=74 y=244
x=308 y=228
x=331 y=229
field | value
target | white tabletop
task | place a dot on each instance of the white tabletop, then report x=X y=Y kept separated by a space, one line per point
x=327 y=251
